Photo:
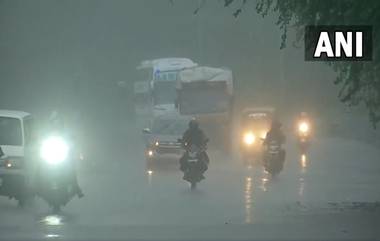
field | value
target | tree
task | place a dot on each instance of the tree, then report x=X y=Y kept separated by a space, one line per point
x=359 y=81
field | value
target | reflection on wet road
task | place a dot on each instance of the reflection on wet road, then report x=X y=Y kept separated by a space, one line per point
x=150 y=176
x=301 y=179
x=52 y=220
x=264 y=182
x=125 y=193
x=303 y=163
x=248 y=199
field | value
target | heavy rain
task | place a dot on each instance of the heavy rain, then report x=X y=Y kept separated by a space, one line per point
x=185 y=120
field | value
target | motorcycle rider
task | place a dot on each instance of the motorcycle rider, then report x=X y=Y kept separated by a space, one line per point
x=303 y=116
x=194 y=136
x=57 y=127
x=275 y=134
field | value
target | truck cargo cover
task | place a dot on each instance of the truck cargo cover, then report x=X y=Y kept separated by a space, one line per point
x=204 y=73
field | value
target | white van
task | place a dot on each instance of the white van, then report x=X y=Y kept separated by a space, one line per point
x=16 y=135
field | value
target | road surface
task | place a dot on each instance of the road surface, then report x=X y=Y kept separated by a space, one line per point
x=331 y=193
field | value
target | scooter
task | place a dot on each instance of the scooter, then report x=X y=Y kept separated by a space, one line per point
x=274 y=158
x=195 y=164
x=303 y=136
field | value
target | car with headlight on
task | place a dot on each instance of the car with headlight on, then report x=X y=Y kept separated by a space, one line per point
x=16 y=136
x=161 y=139
x=254 y=125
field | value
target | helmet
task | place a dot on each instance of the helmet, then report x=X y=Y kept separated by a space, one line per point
x=53 y=115
x=276 y=124
x=55 y=120
x=193 y=124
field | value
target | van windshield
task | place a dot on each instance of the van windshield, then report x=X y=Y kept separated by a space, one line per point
x=10 y=131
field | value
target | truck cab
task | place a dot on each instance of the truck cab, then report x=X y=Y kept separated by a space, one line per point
x=163 y=80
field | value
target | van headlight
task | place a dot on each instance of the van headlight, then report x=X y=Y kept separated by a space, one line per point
x=249 y=138
x=54 y=150
x=14 y=162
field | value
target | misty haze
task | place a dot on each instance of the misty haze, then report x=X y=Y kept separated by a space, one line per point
x=185 y=120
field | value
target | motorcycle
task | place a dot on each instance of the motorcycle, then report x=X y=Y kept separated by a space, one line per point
x=55 y=173
x=195 y=164
x=274 y=158
x=303 y=136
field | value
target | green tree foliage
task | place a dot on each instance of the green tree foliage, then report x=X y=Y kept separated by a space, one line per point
x=359 y=81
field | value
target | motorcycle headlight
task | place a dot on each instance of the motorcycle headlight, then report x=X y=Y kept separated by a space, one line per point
x=249 y=138
x=54 y=150
x=303 y=127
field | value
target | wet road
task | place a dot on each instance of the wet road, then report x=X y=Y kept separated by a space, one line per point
x=333 y=179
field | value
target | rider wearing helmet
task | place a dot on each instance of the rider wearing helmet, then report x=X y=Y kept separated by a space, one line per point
x=194 y=136
x=303 y=117
x=56 y=123
x=275 y=133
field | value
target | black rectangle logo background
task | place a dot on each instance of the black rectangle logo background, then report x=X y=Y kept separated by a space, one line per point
x=312 y=33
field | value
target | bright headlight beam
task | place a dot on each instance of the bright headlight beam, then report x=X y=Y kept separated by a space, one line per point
x=54 y=150
x=303 y=127
x=249 y=138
